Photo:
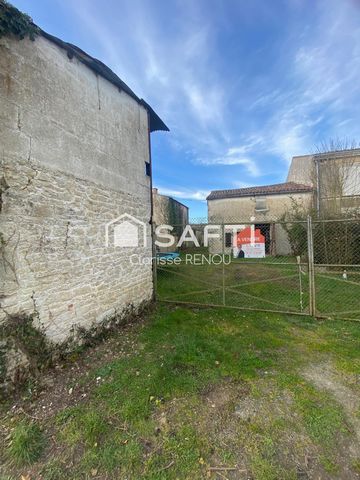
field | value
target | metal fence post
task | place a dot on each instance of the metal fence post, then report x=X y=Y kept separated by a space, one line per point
x=312 y=302
x=223 y=264
x=154 y=260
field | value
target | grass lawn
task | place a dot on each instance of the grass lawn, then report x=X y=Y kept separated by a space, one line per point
x=273 y=283
x=192 y=394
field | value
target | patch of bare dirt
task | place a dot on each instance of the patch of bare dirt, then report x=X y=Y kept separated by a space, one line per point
x=70 y=382
x=252 y=423
x=220 y=396
x=234 y=420
x=324 y=377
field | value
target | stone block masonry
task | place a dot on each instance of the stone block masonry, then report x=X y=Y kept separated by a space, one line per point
x=73 y=148
x=56 y=265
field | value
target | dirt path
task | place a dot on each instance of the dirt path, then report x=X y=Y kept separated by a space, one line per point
x=324 y=377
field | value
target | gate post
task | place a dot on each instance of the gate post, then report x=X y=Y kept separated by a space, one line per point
x=223 y=265
x=310 y=244
x=154 y=260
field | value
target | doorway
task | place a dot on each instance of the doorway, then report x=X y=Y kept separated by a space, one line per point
x=265 y=230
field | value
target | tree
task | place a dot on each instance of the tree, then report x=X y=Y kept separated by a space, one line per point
x=294 y=224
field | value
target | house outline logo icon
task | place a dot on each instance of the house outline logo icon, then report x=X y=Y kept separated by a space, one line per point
x=125 y=231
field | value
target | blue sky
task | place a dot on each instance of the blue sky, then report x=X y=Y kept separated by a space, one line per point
x=242 y=84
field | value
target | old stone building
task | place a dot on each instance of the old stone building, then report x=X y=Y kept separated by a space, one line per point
x=260 y=206
x=168 y=211
x=74 y=160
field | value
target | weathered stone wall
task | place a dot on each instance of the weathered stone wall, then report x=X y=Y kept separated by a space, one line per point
x=168 y=211
x=72 y=151
x=57 y=264
x=242 y=210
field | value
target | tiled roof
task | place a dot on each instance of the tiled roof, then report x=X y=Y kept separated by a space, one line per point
x=276 y=189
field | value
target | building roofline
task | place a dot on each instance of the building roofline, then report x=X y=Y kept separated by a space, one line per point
x=180 y=203
x=303 y=156
x=275 y=189
x=171 y=198
x=350 y=152
x=332 y=153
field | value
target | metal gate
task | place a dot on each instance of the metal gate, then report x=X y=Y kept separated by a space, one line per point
x=309 y=268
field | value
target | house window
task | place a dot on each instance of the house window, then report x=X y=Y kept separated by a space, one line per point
x=260 y=204
x=147 y=169
x=228 y=239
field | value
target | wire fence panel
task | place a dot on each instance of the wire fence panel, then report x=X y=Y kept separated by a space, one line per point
x=337 y=268
x=305 y=267
x=189 y=272
x=238 y=265
x=268 y=286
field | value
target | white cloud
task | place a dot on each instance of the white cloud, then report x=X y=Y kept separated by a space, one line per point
x=174 y=74
x=178 y=73
x=322 y=85
x=328 y=64
x=266 y=99
x=185 y=194
x=239 y=184
x=207 y=105
x=235 y=156
x=248 y=163
x=290 y=139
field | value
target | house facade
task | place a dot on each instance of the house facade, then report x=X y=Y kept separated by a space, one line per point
x=75 y=156
x=260 y=206
x=328 y=183
x=335 y=177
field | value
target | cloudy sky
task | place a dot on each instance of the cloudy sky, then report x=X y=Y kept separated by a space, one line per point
x=242 y=84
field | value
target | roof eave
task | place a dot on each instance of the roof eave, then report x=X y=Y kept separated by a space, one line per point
x=210 y=197
x=156 y=124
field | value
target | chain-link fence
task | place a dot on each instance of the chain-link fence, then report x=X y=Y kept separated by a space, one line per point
x=305 y=267
x=336 y=246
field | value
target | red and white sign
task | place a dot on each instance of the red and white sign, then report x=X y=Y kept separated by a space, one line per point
x=250 y=243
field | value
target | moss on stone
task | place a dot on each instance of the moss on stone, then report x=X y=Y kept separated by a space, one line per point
x=14 y=22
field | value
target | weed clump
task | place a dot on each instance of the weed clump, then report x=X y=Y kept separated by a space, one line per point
x=26 y=443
